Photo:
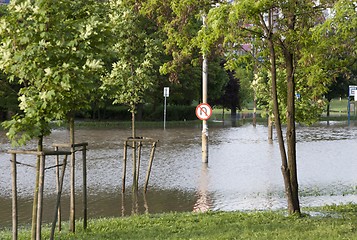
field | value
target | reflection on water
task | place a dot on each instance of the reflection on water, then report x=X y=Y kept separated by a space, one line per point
x=104 y=204
x=203 y=202
x=243 y=172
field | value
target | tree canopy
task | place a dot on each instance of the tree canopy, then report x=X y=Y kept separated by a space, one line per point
x=53 y=50
x=135 y=50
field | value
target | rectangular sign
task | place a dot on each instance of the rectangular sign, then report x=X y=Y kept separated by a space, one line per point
x=166 y=91
x=352 y=91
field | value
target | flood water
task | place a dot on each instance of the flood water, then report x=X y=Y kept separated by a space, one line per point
x=243 y=172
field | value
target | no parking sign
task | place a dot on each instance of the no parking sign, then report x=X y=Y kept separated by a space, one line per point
x=203 y=111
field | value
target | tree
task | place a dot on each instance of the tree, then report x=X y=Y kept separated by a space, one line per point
x=54 y=51
x=230 y=99
x=180 y=23
x=331 y=53
x=339 y=88
x=54 y=60
x=136 y=50
x=281 y=31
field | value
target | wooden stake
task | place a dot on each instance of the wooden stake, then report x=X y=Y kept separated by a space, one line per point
x=72 y=213
x=124 y=165
x=14 y=196
x=122 y=205
x=150 y=165
x=58 y=189
x=58 y=201
x=135 y=203
x=146 y=204
x=85 y=207
x=135 y=185
x=35 y=196
x=35 y=200
x=40 y=197
x=140 y=144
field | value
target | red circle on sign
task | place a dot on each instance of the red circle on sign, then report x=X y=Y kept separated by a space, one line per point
x=203 y=111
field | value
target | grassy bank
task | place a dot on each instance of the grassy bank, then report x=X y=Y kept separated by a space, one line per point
x=331 y=222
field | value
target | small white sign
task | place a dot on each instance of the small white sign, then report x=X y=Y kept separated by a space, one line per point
x=352 y=91
x=166 y=91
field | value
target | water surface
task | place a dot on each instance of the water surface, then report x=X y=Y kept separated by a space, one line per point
x=243 y=172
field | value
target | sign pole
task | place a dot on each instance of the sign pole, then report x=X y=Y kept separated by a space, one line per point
x=352 y=92
x=349 y=108
x=204 y=100
x=204 y=122
x=166 y=94
x=204 y=112
x=165 y=114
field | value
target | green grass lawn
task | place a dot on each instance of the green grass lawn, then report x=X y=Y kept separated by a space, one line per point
x=338 y=105
x=330 y=222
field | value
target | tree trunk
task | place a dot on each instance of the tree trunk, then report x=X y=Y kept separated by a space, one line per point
x=293 y=203
x=294 y=206
x=270 y=129
x=328 y=109
x=234 y=116
x=255 y=110
x=284 y=167
x=223 y=115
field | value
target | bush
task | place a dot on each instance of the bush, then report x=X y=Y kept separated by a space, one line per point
x=149 y=113
x=173 y=113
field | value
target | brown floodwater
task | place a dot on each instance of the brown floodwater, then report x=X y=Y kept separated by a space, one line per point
x=243 y=172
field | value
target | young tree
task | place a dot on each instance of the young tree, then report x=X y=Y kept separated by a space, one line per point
x=331 y=54
x=136 y=50
x=54 y=51
x=281 y=31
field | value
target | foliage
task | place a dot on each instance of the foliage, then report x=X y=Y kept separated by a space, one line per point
x=135 y=49
x=173 y=113
x=54 y=51
x=278 y=34
x=240 y=29
x=180 y=22
x=333 y=49
x=8 y=95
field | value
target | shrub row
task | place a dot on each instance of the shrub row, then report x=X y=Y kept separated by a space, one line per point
x=145 y=113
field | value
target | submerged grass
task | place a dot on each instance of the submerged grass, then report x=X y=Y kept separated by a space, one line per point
x=333 y=222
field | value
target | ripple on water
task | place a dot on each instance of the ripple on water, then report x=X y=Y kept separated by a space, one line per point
x=243 y=172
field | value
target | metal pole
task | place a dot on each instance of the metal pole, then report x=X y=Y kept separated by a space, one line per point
x=349 y=109
x=204 y=100
x=165 y=114
x=204 y=122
